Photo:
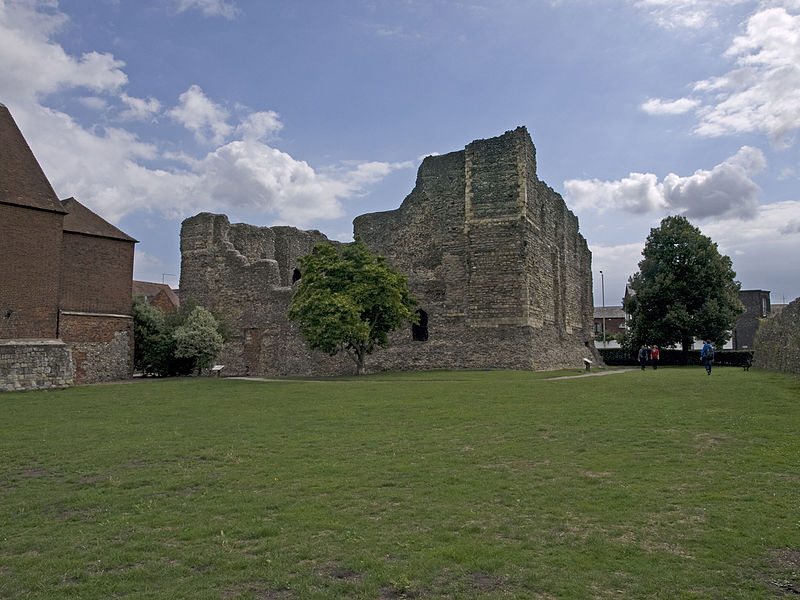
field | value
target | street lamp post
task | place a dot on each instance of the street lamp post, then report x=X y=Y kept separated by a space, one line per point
x=603 y=295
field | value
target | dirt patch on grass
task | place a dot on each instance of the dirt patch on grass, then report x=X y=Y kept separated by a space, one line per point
x=259 y=589
x=784 y=565
x=340 y=573
x=709 y=441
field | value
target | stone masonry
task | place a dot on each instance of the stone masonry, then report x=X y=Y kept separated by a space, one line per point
x=777 y=342
x=493 y=255
x=35 y=364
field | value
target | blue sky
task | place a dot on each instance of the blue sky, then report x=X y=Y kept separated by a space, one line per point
x=309 y=113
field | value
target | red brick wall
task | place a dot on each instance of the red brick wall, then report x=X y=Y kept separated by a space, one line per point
x=163 y=303
x=96 y=274
x=30 y=246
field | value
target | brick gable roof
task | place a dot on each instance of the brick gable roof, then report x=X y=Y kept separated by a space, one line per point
x=80 y=219
x=22 y=181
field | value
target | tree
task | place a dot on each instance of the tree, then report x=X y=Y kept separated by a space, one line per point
x=153 y=345
x=198 y=338
x=350 y=301
x=174 y=343
x=684 y=290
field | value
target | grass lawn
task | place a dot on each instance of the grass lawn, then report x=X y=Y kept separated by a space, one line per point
x=664 y=484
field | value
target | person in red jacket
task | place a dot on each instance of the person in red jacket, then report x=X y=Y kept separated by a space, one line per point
x=654 y=356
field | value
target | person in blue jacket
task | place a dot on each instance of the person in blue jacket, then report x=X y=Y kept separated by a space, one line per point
x=707 y=356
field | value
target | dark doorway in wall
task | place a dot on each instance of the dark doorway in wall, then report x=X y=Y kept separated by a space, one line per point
x=296 y=276
x=419 y=331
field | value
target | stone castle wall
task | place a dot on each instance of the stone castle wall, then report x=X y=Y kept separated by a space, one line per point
x=248 y=274
x=777 y=341
x=494 y=256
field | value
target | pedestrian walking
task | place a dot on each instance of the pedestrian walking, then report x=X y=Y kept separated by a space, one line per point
x=655 y=355
x=643 y=357
x=707 y=356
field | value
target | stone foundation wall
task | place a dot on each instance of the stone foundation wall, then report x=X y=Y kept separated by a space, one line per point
x=35 y=365
x=777 y=341
x=101 y=345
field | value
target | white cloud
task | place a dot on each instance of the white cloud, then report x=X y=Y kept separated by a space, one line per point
x=147 y=267
x=260 y=125
x=33 y=66
x=617 y=263
x=638 y=193
x=691 y=14
x=94 y=102
x=655 y=106
x=139 y=109
x=203 y=117
x=727 y=190
x=763 y=93
x=762 y=248
x=105 y=167
x=210 y=8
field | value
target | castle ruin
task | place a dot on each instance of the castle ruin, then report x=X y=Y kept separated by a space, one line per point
x=493 y=255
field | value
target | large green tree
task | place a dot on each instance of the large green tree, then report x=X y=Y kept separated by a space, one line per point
x=684 y=290
x=349 y=301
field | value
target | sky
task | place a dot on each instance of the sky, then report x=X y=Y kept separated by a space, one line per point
x=312 y=112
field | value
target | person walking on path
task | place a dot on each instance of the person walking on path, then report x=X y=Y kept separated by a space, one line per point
x=643 y=357
x=655 y=354
x=707 y=356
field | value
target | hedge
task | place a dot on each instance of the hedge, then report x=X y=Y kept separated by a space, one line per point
x=725 y=358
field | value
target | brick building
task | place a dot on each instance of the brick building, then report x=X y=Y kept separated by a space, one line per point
x=65 y=280
x=159 y=295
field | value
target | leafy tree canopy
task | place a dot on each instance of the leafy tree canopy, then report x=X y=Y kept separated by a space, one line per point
x=349 y=301
x=174 y=343
x=198 y=338
x=684 y=290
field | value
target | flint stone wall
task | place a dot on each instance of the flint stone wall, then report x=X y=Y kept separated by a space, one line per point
x=101 y=345
x=493 y=255
x=777 y=342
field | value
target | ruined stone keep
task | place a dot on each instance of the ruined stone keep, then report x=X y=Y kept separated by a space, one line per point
x=493 y=255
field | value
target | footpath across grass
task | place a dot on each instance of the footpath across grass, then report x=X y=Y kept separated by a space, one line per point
x=665 y=484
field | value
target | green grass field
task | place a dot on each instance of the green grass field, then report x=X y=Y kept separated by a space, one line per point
x=667 y=484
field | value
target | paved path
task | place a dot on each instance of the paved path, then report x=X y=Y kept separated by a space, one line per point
x=597 y=374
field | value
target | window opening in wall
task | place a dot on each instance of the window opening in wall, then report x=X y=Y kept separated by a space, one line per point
x=296 y=276
x=419 y=331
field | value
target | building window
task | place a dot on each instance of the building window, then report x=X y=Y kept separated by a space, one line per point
x=296 y=276
x=419 y=331
x=763 y=306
